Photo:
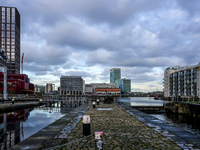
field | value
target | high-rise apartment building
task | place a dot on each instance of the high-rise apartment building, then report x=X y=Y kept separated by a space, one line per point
x=71 y=85
x=115 y=74
x=10 y=37
x=182 y=81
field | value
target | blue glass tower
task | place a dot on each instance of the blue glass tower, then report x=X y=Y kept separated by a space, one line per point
x=115 y=74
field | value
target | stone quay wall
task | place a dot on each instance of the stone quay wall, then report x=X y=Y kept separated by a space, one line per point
x=188 y=109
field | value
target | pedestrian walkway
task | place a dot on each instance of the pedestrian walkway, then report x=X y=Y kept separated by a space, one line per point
x=120 y=131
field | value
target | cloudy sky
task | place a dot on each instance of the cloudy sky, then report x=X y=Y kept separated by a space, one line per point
x=89 y=37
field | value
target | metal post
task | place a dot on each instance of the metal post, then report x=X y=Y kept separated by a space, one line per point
x=93 y=103
x=5 y=123
x=5 y=83
x=86 y=125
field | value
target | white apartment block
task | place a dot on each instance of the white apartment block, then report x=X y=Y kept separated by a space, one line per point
x=182 y=81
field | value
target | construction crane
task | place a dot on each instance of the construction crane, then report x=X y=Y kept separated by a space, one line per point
x=22 y=61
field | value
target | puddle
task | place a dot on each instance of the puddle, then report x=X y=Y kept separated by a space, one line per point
x=104 y=109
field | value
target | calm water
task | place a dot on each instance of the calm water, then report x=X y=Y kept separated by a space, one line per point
x=17 y=126
x=189 y=123
x=141 y=101
x=21 y=124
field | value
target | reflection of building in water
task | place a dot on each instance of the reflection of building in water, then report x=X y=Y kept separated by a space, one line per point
x=10 y=123
x=62 y=104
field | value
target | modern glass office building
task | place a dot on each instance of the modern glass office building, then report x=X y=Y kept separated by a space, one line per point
x=182 y=81
x=124 y=85
x=115 y=74
x=10 y=37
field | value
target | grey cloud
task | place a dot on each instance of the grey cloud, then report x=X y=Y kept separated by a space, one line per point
x=136 y=36
x=44 y=54
x=78 y=73
x=192 y=6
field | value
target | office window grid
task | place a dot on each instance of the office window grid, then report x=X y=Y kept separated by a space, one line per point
x=10 y=37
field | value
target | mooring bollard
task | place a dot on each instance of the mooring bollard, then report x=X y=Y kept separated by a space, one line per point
x=94 y=104
x=13 y=101
x=97 y=101
x=99 y=140
x=86 y=125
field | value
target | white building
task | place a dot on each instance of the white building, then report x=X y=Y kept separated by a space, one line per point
x=182 y=81
x=49 y=88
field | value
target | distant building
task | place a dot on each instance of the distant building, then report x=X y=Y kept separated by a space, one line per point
x=124 y=85
x=17 y=84
x=49 y=88
x=182 y=81
x=10 y=37
x=115 y=74
x=71 y=85
x=88 y=89
x=40 y=89
x=103 y=85
x=112 y=91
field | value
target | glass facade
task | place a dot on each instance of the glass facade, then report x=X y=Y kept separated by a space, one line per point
x=184 y=82
x=115 y=74
x=124 y=85
x=10 y=37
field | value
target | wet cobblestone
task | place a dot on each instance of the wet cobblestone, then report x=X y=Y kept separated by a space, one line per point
x=121 y=131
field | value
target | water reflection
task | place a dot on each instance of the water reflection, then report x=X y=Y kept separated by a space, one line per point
x=19 y=125
x=141 y=101
x=187 y=122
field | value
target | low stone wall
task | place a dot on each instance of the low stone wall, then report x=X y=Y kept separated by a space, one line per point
x=189 y=109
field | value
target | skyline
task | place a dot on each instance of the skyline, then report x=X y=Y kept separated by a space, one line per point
x=90 y=37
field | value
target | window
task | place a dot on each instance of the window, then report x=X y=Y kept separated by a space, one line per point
x=8 y=27
x=8 y=33
x=3 y=41
x=2 y=33
x=3 y=26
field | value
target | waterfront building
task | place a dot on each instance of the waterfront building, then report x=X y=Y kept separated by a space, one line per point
x=124 y=85
x=17 y=84
x=112 y=91
x=10 y=37
x=115 y=74
x=182 y=81
x=49 y=88
x=167 y=73
x=71 y=85
x=103 y=85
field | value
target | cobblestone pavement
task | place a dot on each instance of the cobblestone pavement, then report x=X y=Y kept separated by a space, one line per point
x=120 y=131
